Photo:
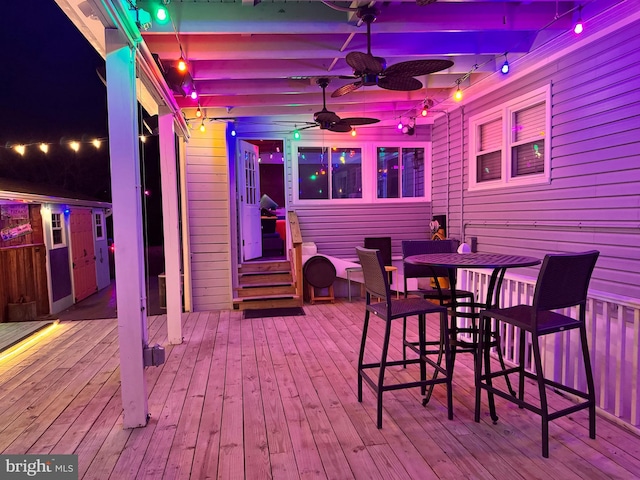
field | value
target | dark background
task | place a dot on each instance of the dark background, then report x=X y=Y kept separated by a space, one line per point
x=50 y=92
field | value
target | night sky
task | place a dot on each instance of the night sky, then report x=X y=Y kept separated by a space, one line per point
x=50 y=92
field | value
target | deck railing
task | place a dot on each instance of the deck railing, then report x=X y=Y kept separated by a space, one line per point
x=613 y=329
x=295 y=254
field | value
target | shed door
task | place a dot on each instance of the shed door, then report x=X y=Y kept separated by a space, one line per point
x=82 y=253
x=250 y=227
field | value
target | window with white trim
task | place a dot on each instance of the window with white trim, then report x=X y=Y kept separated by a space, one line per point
x=400 y=172
x=57 y=233
x=509 y=144
x=99 y=223
x=329 y=173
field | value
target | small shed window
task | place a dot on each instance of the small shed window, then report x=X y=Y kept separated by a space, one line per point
x=99 y=219
x=57 y=234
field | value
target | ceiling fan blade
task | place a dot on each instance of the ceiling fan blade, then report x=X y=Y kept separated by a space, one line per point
x=325 y=116
x=399 y=82
x=359 y=121
x=348 y=88
x=364 y=63
x=340 y=127
x=307 y=127
x=416 y=68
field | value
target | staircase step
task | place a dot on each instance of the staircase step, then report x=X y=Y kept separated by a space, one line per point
x=273 y=301
x=265 y=266
x=266 y=290
x=277 y=278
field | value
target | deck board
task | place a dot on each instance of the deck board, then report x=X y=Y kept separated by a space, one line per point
x=276 y=398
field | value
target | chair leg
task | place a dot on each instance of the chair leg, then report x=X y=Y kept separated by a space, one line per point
x=448 y=360
x=383 y=365
x=486 y=333
x=544 y=409
x=423 y=352
x=521 y=365
x=404 y=339
x=478 y=370
x=591 y=392
x=365 y=327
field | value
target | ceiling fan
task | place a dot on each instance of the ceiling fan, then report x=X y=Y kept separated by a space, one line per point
x=328 y=120
x=370 y=70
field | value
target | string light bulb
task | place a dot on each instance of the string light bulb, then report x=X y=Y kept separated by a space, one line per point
x=353 y=131
x=400 y=125
x=198 y=112
x=75 y=146
x=194 y=94
x=296 y=134
x=96 y=143
x=143 y=139
x=458 y=95
x=424 y=111
x=20 y=149
x=44 y=147
x=578 y=28
x=182 y=63
x=202 y=129
x=505 y=66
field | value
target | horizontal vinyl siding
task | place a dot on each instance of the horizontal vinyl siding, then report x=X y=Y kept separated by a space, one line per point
x=209 y=227
x=339 y=229
x=593 y=200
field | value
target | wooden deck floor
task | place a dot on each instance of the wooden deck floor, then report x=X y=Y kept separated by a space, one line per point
x=275 y=398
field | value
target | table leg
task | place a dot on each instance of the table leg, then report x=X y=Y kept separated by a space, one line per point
x=349 y=283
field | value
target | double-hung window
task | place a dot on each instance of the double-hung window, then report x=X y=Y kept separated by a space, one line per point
x=329 y=173
x=509 y=145
x=400 y=172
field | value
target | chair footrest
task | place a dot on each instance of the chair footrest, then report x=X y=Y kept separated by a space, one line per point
x=398 y=386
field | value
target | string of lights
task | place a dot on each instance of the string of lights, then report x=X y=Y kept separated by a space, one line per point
x=458 y=94
x=74 y=145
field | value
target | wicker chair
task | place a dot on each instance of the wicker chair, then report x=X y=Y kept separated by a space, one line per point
x=563 y=282
x=376 y=284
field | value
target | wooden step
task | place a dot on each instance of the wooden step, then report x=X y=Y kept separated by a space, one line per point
x=265 y=290
x=265 y=278
x=265 y=266
x=275 y=301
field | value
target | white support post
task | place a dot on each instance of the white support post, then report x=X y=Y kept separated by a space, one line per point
x=127 y=226
x=186 y=235
x=170 y=226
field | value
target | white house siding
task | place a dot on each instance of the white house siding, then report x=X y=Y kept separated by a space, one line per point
x=593 y=199
x=338 y=230
x=207 y=175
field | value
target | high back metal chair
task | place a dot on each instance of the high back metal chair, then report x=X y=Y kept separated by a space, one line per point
x=388 y=309
x=563 y=282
